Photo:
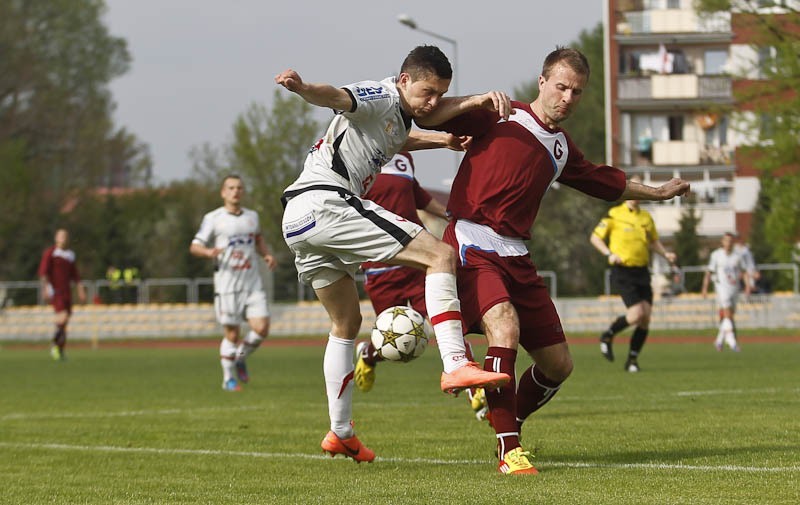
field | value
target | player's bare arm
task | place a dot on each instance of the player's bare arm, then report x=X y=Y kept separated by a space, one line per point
x=202 y=251
x=450 y=107
x=81 y=292
x=601 y=246
x=419 y=140
x=264 y=251
x=636 y=191
x=321 y=95
x=45 y=292
x=436 y=208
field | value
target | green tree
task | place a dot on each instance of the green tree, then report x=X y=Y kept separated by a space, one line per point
x=268 y=148
x=560 y=243
x=772 y=104
x=57 y=137
x=687 y=245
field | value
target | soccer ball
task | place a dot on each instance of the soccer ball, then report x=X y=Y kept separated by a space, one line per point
x=400 y=334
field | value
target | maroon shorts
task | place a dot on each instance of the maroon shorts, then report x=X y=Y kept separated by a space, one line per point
x=400 y=286
x=488 y=279
x=62 y=303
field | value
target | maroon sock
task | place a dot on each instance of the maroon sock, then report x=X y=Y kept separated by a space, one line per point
x=534 y=391
x=371 y=357
x=502 y=401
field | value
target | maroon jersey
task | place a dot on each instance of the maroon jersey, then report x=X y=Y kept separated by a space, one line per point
x=397 y=190
x=58 y=266
x=510 y=166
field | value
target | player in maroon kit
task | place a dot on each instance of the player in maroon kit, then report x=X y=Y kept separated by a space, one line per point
x=494 y=201
x=57 y=272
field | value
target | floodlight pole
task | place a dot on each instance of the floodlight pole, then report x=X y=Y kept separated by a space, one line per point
x=406 y=20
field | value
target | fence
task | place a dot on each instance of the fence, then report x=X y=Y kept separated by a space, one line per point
x=167 y=290
x=774 y=267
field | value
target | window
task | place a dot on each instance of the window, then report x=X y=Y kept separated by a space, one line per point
x=714 y=61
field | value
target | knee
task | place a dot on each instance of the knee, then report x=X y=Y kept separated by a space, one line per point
x=445 y=257
x=557 y=370
x=260 y=327
x=347 y=327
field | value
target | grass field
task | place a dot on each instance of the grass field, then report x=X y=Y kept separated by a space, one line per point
x=152 y=426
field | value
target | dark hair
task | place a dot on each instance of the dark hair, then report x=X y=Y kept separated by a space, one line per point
x=425 y=61
x=229 y=176
x=573 y=58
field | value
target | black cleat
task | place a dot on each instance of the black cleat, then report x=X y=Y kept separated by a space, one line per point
x=606 y=349
x=632 y=365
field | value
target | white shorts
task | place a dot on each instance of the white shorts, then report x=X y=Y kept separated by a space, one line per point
x=232 y=308
x=727 y=297
x=331 y=235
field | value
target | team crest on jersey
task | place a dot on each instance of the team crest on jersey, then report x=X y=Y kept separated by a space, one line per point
x=391 y=128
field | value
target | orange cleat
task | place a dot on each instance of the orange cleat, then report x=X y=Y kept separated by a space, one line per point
x=348 y=447
x=471 y=375
x=517 y=462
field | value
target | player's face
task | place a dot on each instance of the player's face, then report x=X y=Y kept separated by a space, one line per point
x=727 y=242
x=61 y=239
x=232 y=191
x=422 y=96
x=560 y=93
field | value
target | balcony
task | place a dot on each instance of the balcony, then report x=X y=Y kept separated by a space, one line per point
x=674 y=25
x=682 y=91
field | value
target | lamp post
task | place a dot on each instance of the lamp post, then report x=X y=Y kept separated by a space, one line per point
x=405 y=19
x=408 y=21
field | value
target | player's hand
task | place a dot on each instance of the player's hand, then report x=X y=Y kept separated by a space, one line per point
x=455 y=143
x=675 y=187
x=613 y=259
x=704 y=294
x=671 y=257
x=214 y=252
x=499 y=102
x=271 y=262
x=290 y=80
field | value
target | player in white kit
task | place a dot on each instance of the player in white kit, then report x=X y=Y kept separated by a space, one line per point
x=332 y=230
x=231 y=236
x=727 y=267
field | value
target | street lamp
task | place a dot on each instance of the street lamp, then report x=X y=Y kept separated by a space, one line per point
x=407 y=20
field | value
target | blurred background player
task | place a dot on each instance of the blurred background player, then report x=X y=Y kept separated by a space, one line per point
x=332 y=230
x=396 y=189
x=231 y=236
x=494 y=201
x=728 y=268
x=625 y=236
x=57 y=272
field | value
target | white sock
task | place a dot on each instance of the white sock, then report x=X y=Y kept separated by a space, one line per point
x=730 y=336
x=338 y=369
x=444 y=309
x=720 y=337
x=249 y=344
x=227 y=355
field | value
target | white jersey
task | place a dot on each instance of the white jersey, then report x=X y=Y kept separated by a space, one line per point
x=358 y=142
x=236 y=268
x=726 y=269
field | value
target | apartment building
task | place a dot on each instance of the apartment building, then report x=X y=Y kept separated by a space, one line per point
x=670 y=75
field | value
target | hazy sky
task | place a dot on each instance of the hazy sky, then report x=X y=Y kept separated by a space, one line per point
x=197 y=64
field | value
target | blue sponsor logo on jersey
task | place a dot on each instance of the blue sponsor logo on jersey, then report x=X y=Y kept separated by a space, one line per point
x=242 y=239
x=370 y=93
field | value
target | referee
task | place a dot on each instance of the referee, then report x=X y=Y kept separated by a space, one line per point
x=625 y=236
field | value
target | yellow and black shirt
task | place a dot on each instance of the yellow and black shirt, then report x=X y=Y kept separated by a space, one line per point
x=629 y=234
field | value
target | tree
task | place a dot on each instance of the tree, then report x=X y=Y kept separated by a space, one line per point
x=687 y=245
x=57 y=137
x=267 y=150
x=770 y=106
x=554 y=246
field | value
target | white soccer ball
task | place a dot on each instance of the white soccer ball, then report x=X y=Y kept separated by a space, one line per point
x=401 y=334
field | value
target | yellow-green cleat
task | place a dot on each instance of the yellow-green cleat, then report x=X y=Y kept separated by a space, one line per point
x=364 y=374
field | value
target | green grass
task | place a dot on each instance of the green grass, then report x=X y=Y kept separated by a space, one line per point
x=146 y=426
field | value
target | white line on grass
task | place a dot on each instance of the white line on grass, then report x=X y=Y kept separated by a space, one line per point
x=430 y=461
x=122 y=413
